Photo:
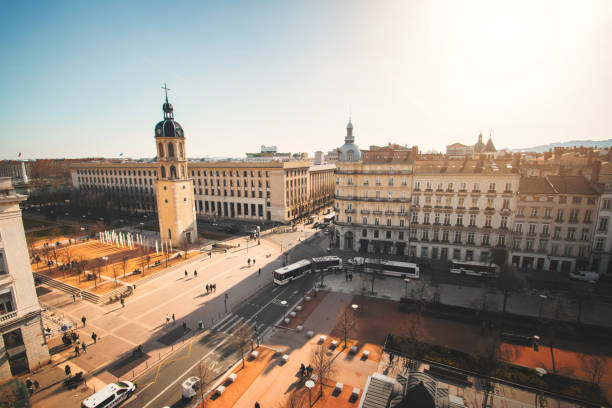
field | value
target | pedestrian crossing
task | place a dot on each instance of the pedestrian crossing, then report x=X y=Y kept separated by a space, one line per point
x=234 y=321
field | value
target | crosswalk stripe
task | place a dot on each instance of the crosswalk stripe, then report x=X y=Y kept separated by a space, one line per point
x=229 y=329
x=227 y=323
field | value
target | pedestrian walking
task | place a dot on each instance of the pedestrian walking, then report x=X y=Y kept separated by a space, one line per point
x=195 y=273
x=67 y=370
x=36 y=385
x=351 y=277
x=167 y=318
x=29 y=384
x=214 y=287
x=249 y=261
x=94 y=337
x=84 y=347
x=83 y=319
x=173 y=319
x=76 y=351
x=134 y=286
x=73 y=297
x=122 y=302
x=253 y=261
x=257 y=405
x=259 y=271
x=185 y=272
x=207 y=288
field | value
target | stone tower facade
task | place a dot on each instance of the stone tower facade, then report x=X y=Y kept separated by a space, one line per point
x=173 y=187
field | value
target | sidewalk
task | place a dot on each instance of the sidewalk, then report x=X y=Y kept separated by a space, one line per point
x=524 y=304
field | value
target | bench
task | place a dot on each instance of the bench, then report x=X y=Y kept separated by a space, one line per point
x=292 y=314
x=278 y=352
x=353 y=350
x=334 y=344
x=299 y=328
x=220 y=390
x=356 y=392
x=309 y=334
x=366 y=354
x=322 y=339
x=449 y=375
x=339 y=386
x=298 y=308
x=254 y=354
x=232 y=377
x=307 y=298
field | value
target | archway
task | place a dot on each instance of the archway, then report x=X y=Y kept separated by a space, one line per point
x=172 y=172
x=160 y=150
x=170 y=150
x=163 y=171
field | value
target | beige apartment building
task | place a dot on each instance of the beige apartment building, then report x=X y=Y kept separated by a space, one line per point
x=22 y=343
x=272 y=191
x=554 y=223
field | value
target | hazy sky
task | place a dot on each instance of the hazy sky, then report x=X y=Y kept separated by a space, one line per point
x=83 y=78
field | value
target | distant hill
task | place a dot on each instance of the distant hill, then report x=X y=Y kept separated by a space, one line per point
x=571 y=143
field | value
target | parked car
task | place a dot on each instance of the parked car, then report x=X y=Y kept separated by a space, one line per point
x=358 y=260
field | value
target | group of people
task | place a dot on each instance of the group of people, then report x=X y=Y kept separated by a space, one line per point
x=249 y=262
x=211 y=287
x=305 y=370
x=32 y=385
x=195 y=273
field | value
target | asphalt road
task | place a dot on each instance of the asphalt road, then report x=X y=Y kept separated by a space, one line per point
x=217 y=348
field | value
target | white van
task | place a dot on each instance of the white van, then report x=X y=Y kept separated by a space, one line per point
x=587 y=276
x=110 y=396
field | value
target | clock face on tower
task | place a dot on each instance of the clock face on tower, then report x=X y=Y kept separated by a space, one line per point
x=179 y=132
x=158 y=131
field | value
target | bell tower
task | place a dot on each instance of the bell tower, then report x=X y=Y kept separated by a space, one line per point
x=173 y=187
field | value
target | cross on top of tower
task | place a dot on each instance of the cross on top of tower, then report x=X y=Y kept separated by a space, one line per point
x=166 y=89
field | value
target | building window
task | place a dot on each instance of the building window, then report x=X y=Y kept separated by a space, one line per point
x=599 y=243
x=365 y=221
x=349 y=219
x=364 y=233
x=401 y=222
x=585 y=234
x=520 y=211
x=3 y=267
x=470 y=237
x=501 y=240
x=388 y=222
x=488 y=219
x=376 y=221
x=545 y=229
x=388 y=234
x=426 y=218
x=445 y=236
x=518 y=228
x=472 y=220
x=603 y=224
x=459 y=219
x=401 y=235
x=375 y=233
x=606 y=204
x=485 y=239
x=534 y=211
x=559 y=215
x=504 y=222
x=532 y=229
x=587 y=216
x=458 y=237
x=415 y=218
x=547 y=212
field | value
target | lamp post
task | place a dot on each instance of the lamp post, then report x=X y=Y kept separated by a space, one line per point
x=541 y=372
x=247 y=244
x=542 y=299
x=310 y=385
x=407 y=280
x=284 y=305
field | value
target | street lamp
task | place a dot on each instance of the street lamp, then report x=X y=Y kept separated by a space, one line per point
x=284 y=305
x=542 y=299
x=407 y=280
x=310 y=385
x=355 y=307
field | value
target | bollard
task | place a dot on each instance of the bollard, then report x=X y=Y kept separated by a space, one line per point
x=132 y=374
x=158 y=356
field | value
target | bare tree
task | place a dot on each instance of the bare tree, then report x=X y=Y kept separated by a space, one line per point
x=295 y=399
x=322 y=364
x=411 y=331
x=509 y=282
x=346 y=321
x=205 y=374
x=243 y=337
x=487 y=363
x=124 y=264
x=595 y=366
x=67 y=257
x=81 y=265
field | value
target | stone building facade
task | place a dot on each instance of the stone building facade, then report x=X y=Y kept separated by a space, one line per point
x=22 y=342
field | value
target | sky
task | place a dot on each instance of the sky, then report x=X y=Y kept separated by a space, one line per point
x=83 y=78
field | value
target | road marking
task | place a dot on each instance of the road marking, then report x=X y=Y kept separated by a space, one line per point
x=227 y=330
x=185 y=372
x=206 y=355
x=228 y=322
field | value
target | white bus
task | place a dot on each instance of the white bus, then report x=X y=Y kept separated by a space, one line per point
x=392 y=268
x=288 y=273
x=110 y=396
x=326 y=263
x=474 y=268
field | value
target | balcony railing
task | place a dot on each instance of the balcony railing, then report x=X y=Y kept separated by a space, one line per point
x=8 y=316
x=365 y=212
